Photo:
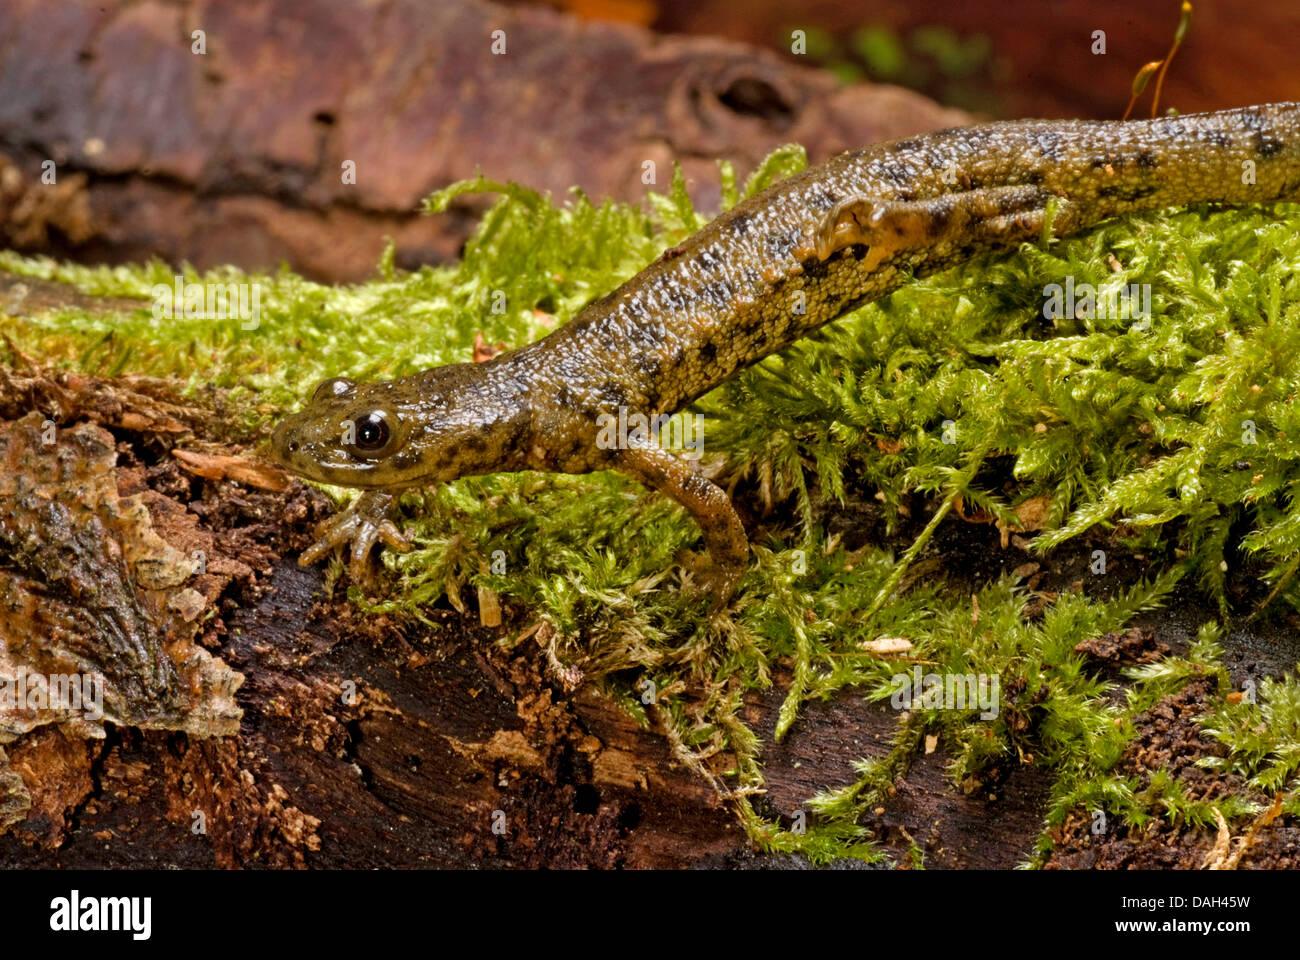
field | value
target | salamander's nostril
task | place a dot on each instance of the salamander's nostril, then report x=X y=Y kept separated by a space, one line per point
x=293 y=446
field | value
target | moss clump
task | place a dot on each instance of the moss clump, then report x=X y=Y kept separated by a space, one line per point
x=1178 y=436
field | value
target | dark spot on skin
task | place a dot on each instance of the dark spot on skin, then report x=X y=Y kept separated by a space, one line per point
x=1034 y=177
x=697 y=486
x=898 y=173
x=475 y=443
x=718 y=294
x=1099 y=163
x=706 y=260
x=906 y=195
x=740 y=223
x=1147 y=160
x=1049 y=147
x=821 y=200
x=676 y=296
x=647 y=364
x=518 y=434
x=815 y=269
x=646 y=336
x=779 y=245
x=1122 y=192
x=905 y=146
x=974 y=183
x=1174 y=128
x=1267 y=146
x=612 y=394
x=1253 y=121
x=709 y=351
x=406 y=459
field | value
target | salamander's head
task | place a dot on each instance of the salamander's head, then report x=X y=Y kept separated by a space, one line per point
x=439 y=425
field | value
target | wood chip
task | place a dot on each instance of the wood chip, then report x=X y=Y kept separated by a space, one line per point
x=489 y=607
x=251 y=473
x=886 y=646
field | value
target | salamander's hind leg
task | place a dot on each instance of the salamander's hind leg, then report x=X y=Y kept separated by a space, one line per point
x=363 y=523
x=997 y=215
x=724 y=534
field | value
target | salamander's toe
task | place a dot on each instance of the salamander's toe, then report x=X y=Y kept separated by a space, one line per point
x=713 y=584
x=393 y=537
x=358 y=527
x=330 y=535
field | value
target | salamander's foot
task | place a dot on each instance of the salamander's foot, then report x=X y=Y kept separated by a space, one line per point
x=363 y=523
x=885 y=227
x=717 y=582
x=992 y=216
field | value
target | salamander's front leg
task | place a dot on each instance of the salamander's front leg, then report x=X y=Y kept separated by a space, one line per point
x=364 y=522
x=708 y=504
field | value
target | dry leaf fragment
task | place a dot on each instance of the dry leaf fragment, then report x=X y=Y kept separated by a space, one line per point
x=1030 y=514
x=489 y=607
x=484 y=351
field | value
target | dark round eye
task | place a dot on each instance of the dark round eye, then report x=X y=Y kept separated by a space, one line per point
x=372 y=431
x=333 y=387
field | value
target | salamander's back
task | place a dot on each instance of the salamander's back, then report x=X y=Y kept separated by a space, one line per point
x=740 y=289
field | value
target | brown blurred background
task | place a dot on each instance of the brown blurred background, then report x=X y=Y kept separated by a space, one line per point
x=1010 y=58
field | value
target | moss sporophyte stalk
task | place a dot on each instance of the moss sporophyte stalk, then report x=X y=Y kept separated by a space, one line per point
x=959 y=398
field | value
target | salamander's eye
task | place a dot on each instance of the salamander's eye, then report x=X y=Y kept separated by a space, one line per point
x=371 y=432
x=333 y=387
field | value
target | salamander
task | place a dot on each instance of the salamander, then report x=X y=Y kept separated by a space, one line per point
x=760 y=276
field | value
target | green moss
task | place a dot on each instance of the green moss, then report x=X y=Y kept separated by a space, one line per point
x=1262 y=733
x=954 y=396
